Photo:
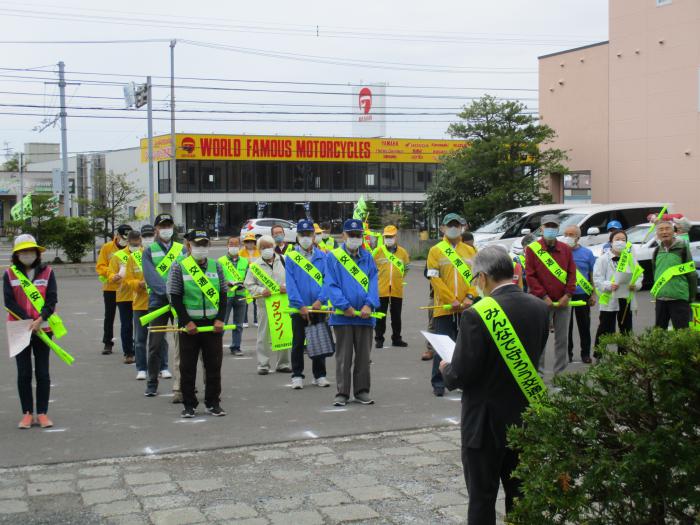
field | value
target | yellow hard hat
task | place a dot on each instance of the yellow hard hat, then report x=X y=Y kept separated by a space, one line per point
x=391 y=230
x=25 y=242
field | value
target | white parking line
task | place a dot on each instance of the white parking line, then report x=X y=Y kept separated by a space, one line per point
x=311 y=434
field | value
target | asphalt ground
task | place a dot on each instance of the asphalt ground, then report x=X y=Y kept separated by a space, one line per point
x=99 y=409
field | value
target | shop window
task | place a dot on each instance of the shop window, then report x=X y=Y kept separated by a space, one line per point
x=247 y=176
x=234 y=177
x=212 y=176
x=164 y=176
x=188 y=176
x=368 y=176
x=389 y=178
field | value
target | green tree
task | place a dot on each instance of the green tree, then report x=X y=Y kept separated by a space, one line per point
x=619 y=443
x=77 y=239
x=43 y=222
x=374 y=218
x=504 y=165
x=12 y=163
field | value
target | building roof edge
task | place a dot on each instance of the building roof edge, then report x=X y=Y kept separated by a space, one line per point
x=603 y=43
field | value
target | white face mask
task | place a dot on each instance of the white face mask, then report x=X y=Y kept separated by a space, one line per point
x=268 y=253
x=27 y=259
x=453 y=232
x=325 y=236
x=305 y=242
x=353 y=243
x=133 y=248
x=166 y=234
x=390 y=241
x=120 y=242
x=200 y=252
x=233 y=250
x=250 y=247
x=570 y=241
x=147 y=241
x=618 y=246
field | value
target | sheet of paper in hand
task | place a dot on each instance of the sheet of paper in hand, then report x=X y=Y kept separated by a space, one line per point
x=443 y=345
x=18 y=336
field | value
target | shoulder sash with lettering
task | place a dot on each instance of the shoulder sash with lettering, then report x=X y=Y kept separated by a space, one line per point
x=511 y=349
x=307 y=266
x=230 y=268
x=164 y=265
x=393 y=259
x=351 y=267
x=123 y=256
x=670 y=273
x=138 y=259
x=624 y=261
x=37 y=300
x=201 y=280
x=267 y=281
x=548 y=261
x=462 y=268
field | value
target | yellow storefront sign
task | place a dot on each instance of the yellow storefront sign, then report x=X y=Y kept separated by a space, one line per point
x=307 y=149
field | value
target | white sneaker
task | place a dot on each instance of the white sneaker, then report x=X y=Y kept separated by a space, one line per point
x=297 y=383
x=256 y=324
x=245 y=325
x=165 y=374
x=322 y=382
x=141 y=375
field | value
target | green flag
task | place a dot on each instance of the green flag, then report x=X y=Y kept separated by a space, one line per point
x=22 y=209
x=360 y=210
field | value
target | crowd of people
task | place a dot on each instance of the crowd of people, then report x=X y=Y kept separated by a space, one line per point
x=320 y=298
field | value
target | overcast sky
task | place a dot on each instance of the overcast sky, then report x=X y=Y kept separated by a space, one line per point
x=438 y=49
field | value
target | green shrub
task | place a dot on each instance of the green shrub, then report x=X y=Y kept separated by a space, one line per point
x=620 y=443
x=77 y=239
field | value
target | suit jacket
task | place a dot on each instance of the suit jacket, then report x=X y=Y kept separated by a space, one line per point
x=491 y=399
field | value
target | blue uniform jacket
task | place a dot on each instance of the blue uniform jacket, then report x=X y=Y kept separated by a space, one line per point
x=344 y=291
x=301 y=288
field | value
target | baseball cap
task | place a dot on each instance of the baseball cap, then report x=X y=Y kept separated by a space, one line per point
x=163 y=217
x=550 y=218
x=148 y=230
x=305 y=225
x=197 y=235
x=353 y=225
x=26 y=241
x=614 y=225
x=454 y=217
x=317 y=229
x=250 y=236
x=391 y=230
x=124 y=229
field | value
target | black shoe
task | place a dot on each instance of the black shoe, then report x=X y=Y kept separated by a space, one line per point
x=438 y=392
x=216 y=411
x=571 y=358
x=187 y=413
x=587 y=360
x=151 y=391
x=400 y=343
x=236 y=351
x=263 y=371
x=107 y=350
x=379 y=343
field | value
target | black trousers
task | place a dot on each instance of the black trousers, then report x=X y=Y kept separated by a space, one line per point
x=393 y=305
x=110 y=299
x=210 y=345
x=318 y=364
x=583 y=321
x=483 y=469
x=41 y=371
x=608 y=321
x=126 y=320
x=678 y=312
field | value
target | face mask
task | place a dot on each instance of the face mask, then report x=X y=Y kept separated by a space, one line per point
x=166 y=234
x=200 y=252
x=389 y=241
x=353 y=243
x=133 y=249
x=27 y=259
x=233 y=251
x=619 y=246
x=305 y=242
x=453 y=232
x=279 y=238
x=250 y=247
x=325 y=236
x=550 y=233
x=570 y=241
x=147 y=241
x=268 y=253
x=120 y=242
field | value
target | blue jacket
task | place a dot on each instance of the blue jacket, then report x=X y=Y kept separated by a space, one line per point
x=585 y=261
x=158 y=295
x=344 y=291
x=302 y=290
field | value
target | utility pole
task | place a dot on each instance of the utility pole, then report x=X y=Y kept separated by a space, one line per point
x=173 y=142
x=21 y=180
x=151 y=194
x=64 y=140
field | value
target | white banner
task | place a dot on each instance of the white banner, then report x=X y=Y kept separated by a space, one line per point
x=368 y=109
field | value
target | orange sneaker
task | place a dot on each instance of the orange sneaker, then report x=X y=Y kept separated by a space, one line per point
x=44 y=421
x=27 y=420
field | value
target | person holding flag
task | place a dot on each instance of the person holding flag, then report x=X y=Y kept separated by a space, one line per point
x=235 y=268
x=30 y=292
x=109 y=289
x=197 y=289
x=392 y=264
x=305 y=268
x=265 y=280
x=448 y=268
x=157 y=261
x=351 y=285
x=124 y=296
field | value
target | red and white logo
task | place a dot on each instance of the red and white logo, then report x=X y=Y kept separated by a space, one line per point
x=365 y=100
x=188 y=145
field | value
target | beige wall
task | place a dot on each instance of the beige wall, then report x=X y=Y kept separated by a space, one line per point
x=652 y=129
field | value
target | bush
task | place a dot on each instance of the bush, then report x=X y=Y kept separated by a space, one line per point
x=620 y=443
x=78 y=237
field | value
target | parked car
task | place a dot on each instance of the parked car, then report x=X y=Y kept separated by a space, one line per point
x=511 y=223
x=644 y=247
x=264 y=227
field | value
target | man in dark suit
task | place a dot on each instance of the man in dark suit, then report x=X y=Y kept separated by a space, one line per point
x=491 y=398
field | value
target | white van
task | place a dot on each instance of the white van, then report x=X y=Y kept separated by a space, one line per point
x=511 y=223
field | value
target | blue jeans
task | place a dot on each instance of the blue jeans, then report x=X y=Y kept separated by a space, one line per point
x=126 y=321
x=236 y=304
x=140 y=338
x=255 y=313
x=445 y=325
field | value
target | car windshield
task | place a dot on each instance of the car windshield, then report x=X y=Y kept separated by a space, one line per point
x=638 y=234
x=500 y=222
x=569 y=219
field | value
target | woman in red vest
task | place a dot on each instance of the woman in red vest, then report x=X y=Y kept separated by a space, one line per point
x=20 y=299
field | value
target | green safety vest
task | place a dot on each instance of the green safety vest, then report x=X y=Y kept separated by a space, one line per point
x=234 y=273
x=163 y=261
x=307 y=266
x=351 y=267
x=201 y=297
x=511 y=349
x=462 y=268
x=670 y=273
x=37 y=300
